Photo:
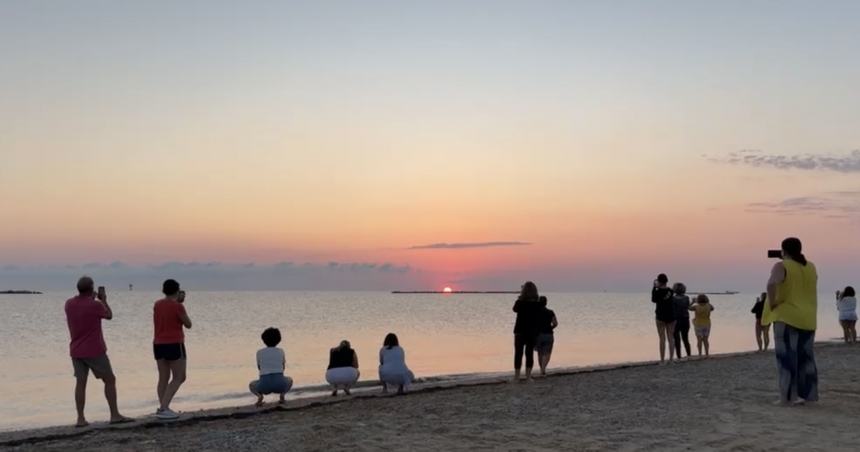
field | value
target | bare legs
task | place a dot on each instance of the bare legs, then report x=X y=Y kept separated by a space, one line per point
x=543 y=361
x=80 y=399
x=167 y=390
x=758 y=335
x=703 y=341
x=666 y=331
x=849 y=330
x=110 y=396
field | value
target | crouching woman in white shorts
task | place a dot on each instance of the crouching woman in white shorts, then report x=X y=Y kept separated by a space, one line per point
x=392 y=365
x=342 y=370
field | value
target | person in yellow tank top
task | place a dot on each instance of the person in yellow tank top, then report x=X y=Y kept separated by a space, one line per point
x=792 y=299
x=702 y=323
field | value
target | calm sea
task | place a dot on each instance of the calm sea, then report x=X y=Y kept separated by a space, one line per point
x=442 y=335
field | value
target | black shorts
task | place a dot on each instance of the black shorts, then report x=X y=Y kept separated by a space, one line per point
x=169 y=352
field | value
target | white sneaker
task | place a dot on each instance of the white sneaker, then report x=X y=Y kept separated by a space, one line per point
x=166 y=415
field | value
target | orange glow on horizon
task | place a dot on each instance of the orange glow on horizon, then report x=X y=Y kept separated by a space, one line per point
x=447 y=290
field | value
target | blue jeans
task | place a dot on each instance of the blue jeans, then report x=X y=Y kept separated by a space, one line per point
x=795 y=359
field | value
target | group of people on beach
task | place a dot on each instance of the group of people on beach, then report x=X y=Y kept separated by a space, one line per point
x=789 y=304
x=88 y=351
x=672 y=310
x=533 y=331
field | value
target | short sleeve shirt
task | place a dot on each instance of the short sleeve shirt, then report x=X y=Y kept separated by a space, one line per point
x=167 y=319
x=84 y=315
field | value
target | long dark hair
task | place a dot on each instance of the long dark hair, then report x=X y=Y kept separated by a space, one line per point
x=390 y=341
x=529 y=292
x=794 y=249
x=848 y=292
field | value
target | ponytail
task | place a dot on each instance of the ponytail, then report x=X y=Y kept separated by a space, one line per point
x=794 y=249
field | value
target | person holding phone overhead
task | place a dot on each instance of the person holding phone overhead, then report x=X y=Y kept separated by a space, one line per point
x=168 y=346
x=84 y=315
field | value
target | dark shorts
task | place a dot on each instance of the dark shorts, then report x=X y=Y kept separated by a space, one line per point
x=544 y=343
x=100 y=366
x=169 y=352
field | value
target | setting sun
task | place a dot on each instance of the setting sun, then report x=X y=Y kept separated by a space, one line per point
x=447 y=290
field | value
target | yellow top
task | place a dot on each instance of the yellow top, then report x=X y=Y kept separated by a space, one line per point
x=797 y=296
x=703 y=314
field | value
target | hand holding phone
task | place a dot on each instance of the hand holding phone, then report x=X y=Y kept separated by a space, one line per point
x=101 y=294
x=181 y=296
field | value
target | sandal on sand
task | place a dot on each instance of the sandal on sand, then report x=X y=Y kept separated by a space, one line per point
x=121 y=420
x=82 y=425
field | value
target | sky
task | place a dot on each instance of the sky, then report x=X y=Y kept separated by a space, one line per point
x=396 y=145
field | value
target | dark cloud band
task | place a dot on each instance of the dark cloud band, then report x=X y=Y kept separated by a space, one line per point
x=849 y=163
x=458 y=246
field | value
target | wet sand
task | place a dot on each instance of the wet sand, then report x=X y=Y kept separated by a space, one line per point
x=724 y=403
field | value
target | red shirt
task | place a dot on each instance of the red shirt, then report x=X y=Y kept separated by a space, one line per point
x=84 y=315
x=167 y=318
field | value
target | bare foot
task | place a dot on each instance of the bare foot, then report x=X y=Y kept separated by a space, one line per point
x=120 y=419
x=334 y=393
x=346 y=391
x=259 y=402
x=282 y=400
x=81 y=423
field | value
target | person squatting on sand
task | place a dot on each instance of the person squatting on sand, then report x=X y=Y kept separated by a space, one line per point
x=762 y=330
x=84 y=314
x=682 y=318
x=664 y=310
x=526 y=328
x=702 y=323
x=792 y=294
x=392 y=365
x=168 y=345
x=545 y=339
x=342 y=370
x=271 y=362
x=846 y=304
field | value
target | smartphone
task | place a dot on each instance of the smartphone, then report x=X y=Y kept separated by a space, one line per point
x=181 y=297
x=101 y=294
x=774 y=254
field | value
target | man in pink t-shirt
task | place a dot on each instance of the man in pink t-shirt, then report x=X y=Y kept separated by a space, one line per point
x=84 y=314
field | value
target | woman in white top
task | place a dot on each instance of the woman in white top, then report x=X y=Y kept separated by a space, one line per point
x=846 y=303
x=271 y=361
x=392 y=365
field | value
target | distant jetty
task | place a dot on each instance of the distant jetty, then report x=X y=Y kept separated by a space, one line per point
x=461 y=292
x=19 y=292
x=727 y=292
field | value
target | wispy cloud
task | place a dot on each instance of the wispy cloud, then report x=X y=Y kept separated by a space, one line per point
x=837 y=204
x=463 y=245
x=849 y=163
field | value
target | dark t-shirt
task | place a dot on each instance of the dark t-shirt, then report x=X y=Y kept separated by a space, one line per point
x=546 y=321
x=529 y=317
x=340 y=357
x=682 y=306
x=662 y=297
x=758 y=309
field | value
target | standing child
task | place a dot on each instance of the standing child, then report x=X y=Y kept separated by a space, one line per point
x=271 y=362
x=702 y=323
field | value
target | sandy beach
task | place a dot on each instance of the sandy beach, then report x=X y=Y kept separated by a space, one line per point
x=724 y=403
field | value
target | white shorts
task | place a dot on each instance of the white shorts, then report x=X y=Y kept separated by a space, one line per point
x=342 y=376
x=703 y=331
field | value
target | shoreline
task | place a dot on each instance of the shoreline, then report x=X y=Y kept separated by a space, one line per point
x=367 y=390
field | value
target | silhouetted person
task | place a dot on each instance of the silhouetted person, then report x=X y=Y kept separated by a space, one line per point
x=526 y=328
x=846 y=304
x=168 y=346
x=664 y=311
x=342 y=372
x=762 y=330
x=392 y=365
x=682 y=319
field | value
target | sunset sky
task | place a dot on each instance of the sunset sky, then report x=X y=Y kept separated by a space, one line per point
x=342 y=145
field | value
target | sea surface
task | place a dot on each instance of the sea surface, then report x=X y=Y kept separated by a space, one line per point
x=443 y=335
